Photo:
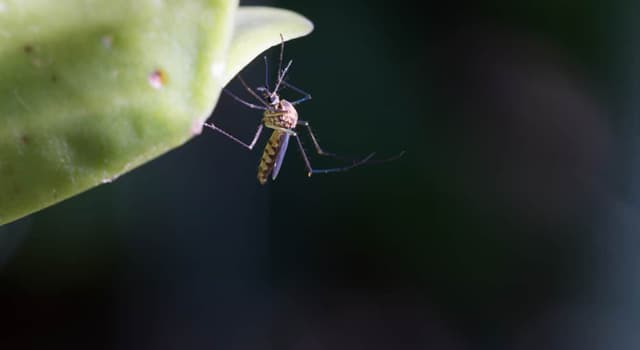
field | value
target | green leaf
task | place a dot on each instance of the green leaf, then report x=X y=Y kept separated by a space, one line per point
x=90 y=89
x=258 y=28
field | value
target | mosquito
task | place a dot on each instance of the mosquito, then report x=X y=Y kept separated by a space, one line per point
x=281 y=116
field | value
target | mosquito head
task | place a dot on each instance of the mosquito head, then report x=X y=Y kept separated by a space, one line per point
x=271 y=98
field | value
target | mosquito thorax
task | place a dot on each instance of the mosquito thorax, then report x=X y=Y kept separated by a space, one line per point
x=283 y=116
x=288 y=109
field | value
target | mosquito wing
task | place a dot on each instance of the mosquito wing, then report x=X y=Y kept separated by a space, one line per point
x=284 y=142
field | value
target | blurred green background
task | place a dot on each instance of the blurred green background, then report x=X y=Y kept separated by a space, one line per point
x=510 y=223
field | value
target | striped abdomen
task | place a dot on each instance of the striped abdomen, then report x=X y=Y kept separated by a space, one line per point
x=270 y=155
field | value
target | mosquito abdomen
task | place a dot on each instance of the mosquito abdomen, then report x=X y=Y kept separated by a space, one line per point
x=269 y=156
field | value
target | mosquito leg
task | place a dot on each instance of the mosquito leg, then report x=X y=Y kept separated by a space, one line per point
x=285 y=70
x=248 y=146
x=390 y=159
x=281 y=56
x=250 y=105
x=281 y=72
x=281 y=75
x=304 y=157
x=322 y=152
x=253 y=93
x=311 y=171
x=306 y=97
x=266 y=73
x=319 y=149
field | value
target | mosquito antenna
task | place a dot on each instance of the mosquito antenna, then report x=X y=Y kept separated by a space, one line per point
x=253 y=93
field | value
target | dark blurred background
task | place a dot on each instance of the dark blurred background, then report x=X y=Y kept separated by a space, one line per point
x=510 y=223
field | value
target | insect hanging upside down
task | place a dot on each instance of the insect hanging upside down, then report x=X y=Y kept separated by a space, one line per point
x=281 y=116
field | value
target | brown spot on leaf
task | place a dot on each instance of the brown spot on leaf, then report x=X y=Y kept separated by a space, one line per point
x=158 y=78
